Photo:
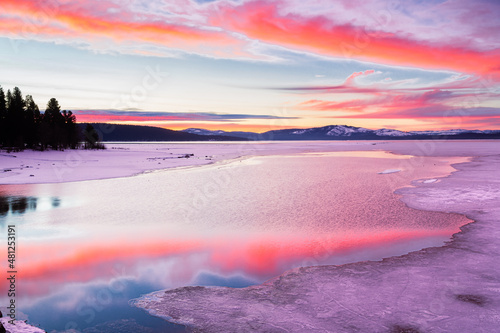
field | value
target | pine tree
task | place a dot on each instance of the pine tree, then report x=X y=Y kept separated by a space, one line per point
x=52 y=125
x=53 y=110
x=72 y=136
x=31 y=122
x=3 y=107
x=3 y=117
x=91 y=138
x=15 y=118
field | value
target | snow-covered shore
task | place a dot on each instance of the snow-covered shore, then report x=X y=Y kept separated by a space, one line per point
x=119 y=160
x=454 y=288
x=128 y=159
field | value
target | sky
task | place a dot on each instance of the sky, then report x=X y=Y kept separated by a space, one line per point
x=255 y=65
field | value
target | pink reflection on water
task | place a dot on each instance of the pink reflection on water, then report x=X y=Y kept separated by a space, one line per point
x=258 y=258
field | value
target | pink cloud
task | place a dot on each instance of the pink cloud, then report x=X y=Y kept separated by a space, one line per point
x=263 y=21
x=459 y=102
x=350 y=79
x=389 y=100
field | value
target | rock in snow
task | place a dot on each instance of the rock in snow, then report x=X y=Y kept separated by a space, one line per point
x=19 y=327
x=454 y=288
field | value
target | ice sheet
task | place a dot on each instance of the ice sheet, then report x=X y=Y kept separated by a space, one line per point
x=454 y=288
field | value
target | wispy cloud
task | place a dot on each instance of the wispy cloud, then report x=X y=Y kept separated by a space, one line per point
x=138 y=116
x=461 y=98
x=320 y=34
x=99 y=23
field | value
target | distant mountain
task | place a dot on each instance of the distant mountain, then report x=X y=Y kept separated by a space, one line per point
x=344 y=132
x=246 y=135
x=114 y=132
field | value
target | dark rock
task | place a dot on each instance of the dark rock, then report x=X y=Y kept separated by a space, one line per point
x=404 y=329
x=474 y=299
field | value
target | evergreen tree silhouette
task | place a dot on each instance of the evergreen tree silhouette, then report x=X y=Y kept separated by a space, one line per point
x=52 y=121
x=91 y=138
x=3 y=117
x=70 y=129
x=32 y=120
x=15 y=118
x=22 y=125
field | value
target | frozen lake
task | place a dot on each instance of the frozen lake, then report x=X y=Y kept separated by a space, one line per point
x=87 y=248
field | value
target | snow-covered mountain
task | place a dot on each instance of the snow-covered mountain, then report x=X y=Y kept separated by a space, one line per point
x=344 y=132
x=337 y=130
x=390 y=132
x=201 y=131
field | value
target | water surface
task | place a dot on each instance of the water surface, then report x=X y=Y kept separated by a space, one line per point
x=87 y=248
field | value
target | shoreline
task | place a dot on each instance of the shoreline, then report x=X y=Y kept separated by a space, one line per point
x=125 y=160
x=338 y=294
x=122 y=160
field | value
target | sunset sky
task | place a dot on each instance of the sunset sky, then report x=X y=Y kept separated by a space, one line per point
x=259 y=65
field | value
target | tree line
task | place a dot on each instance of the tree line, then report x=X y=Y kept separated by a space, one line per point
x=22 y=125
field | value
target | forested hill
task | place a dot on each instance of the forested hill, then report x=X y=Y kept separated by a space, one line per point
x=115 y=132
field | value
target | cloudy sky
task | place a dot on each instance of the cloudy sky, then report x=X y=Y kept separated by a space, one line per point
x=259 y=65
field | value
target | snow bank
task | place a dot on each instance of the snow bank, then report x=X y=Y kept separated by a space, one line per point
x=454 y=288
x=31 y=167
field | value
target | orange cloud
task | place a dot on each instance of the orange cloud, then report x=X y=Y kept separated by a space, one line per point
x=256 y=128
x=261 y=20
x=182 y=120
x=76 y=21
